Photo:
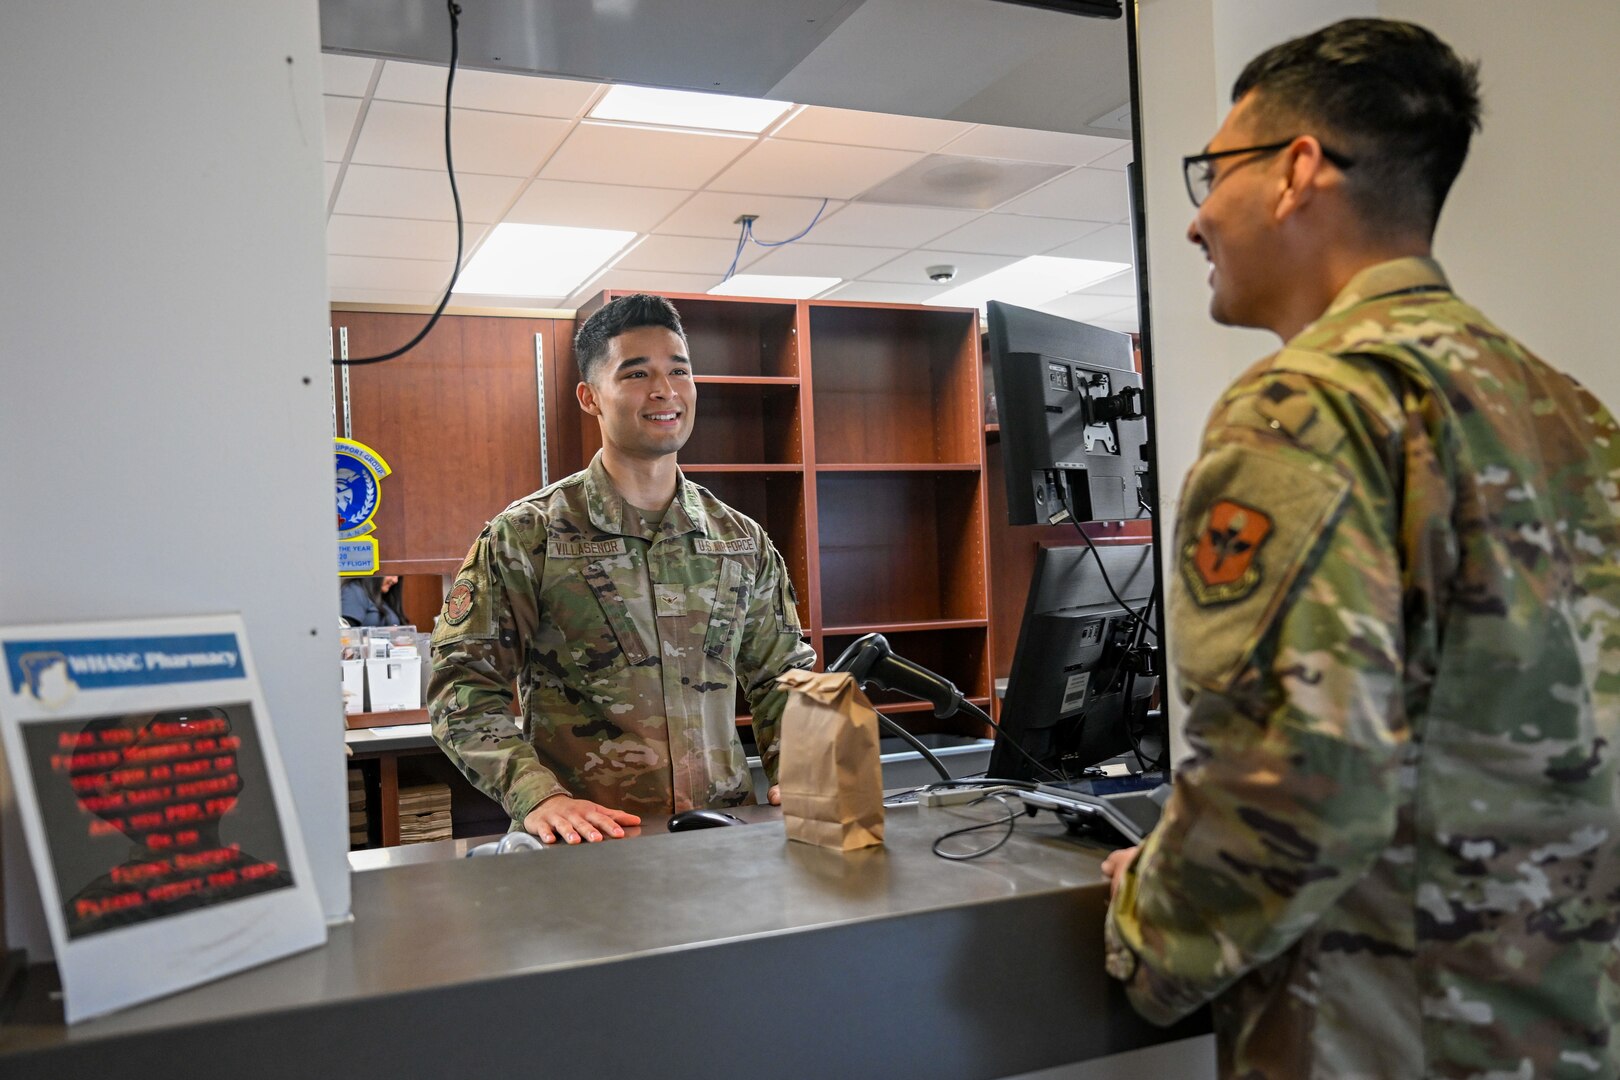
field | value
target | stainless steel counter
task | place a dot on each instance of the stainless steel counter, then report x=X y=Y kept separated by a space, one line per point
x=692 y=954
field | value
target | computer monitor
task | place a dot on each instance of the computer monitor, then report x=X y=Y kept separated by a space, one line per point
x=1069 y=402
x=1078 y=693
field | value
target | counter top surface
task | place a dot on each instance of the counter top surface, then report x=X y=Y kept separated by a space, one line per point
x=454 y=921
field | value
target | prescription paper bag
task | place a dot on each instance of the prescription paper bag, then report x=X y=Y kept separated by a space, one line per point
x=831 y=776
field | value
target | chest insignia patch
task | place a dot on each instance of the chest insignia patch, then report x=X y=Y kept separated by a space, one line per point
x=744 y=546
x=671 y=601
x=1219 y=566
x=583 y=549
x=459 y=604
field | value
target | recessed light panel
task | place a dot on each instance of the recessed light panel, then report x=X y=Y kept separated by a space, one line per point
x=1030 y=282
x=539 y=260
x=687 y=109
x=779 y=286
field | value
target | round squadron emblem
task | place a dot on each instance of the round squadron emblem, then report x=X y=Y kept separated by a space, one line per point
x=458 y=605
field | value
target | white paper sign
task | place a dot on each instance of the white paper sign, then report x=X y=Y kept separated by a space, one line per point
x=145 y=775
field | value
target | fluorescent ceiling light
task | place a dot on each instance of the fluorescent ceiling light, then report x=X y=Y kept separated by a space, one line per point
x=778 y=286
x=684 y=108
x=539 y=260
x=1030 y=282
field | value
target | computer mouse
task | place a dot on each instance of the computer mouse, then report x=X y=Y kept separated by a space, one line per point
x=687 y=820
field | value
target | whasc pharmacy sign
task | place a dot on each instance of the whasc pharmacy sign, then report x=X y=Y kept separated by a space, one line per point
x=360 y=471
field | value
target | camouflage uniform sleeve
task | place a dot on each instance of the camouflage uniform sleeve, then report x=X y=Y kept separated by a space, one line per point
x=772 y=642
x=478 y=647
x=1286 y=625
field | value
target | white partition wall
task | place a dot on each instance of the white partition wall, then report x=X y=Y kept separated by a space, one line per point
x=164 y=417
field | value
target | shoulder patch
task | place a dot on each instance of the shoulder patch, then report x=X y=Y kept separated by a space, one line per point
x=583 y=549
x=459 y=604
x=1219 y=564
x=744 y=546
x=1238 y=562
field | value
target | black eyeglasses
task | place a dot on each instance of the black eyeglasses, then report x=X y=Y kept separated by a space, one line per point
x=1200 y=177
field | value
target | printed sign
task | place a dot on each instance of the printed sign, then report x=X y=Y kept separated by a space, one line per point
x=360 y=471
x=149 y=791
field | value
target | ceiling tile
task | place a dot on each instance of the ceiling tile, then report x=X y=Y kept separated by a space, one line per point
x=943 y=180
x=864 y=224
x=1021 y=144
x=374 y=191
x=912 y=267
x=494 y=91
x=783 y=167
x=594 y=206
x=340 y=116
x=1010 y=234
x=652 y=282
x=685 y=254
x=364 y=272
x=823 y=260
x=397 y=238
x=885 y=292
x=1117 y=160
x=348 y=76
x=1112 y=243
x=713 y=213
x=852 y=128
x=1085 y=308
x=494 y=144
x=1086 y=194
x=658 y=157
x=354 y=295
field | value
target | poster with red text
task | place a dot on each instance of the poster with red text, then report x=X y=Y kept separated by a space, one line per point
x=144 y=774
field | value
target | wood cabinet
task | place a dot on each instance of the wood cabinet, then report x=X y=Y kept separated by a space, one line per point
x=457 y=419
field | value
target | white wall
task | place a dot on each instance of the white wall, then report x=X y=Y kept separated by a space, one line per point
x=164 y=419
x=1531 y=233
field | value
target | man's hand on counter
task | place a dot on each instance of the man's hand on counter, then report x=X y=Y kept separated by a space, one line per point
x=774 y=796
x=1114 y=866
x=572 y=820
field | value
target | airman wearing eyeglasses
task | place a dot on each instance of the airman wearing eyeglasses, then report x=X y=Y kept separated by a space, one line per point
x=1395 y=848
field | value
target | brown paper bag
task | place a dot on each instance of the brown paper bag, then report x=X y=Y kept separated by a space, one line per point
x=832 y=780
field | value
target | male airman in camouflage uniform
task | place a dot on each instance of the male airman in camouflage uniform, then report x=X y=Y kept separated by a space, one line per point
x=626 y=627
x=1395 y=849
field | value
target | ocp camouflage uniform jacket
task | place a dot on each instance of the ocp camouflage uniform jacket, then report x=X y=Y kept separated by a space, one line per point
x=1395 y=848
x=626 y=648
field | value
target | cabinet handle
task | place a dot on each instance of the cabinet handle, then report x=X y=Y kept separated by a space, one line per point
x=540 y=390
x=343 y=351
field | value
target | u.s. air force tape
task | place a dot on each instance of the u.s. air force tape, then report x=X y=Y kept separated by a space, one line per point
x=745 y=546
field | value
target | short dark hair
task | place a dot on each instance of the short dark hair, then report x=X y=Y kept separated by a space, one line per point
x=614 y=318
x=1389 y=95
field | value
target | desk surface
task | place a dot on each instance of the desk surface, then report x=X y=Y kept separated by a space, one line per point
x=646 y=921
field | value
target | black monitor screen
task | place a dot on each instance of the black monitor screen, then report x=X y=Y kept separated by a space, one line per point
x=1067 y=703
x=1069 y=402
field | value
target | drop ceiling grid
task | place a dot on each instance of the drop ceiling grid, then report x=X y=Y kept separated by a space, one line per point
x=683 y=214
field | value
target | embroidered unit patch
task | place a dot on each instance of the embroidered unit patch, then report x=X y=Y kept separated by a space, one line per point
x=458 y=605
x=1219 y=565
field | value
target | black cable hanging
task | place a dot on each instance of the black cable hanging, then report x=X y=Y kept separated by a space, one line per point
x=455 y=195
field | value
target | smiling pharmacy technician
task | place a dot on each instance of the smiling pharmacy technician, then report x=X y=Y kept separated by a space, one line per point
x=626 y=604
x=1395 y=848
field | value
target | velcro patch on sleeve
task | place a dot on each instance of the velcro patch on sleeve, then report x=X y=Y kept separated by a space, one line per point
x=747 y=545
x=1252 y=518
